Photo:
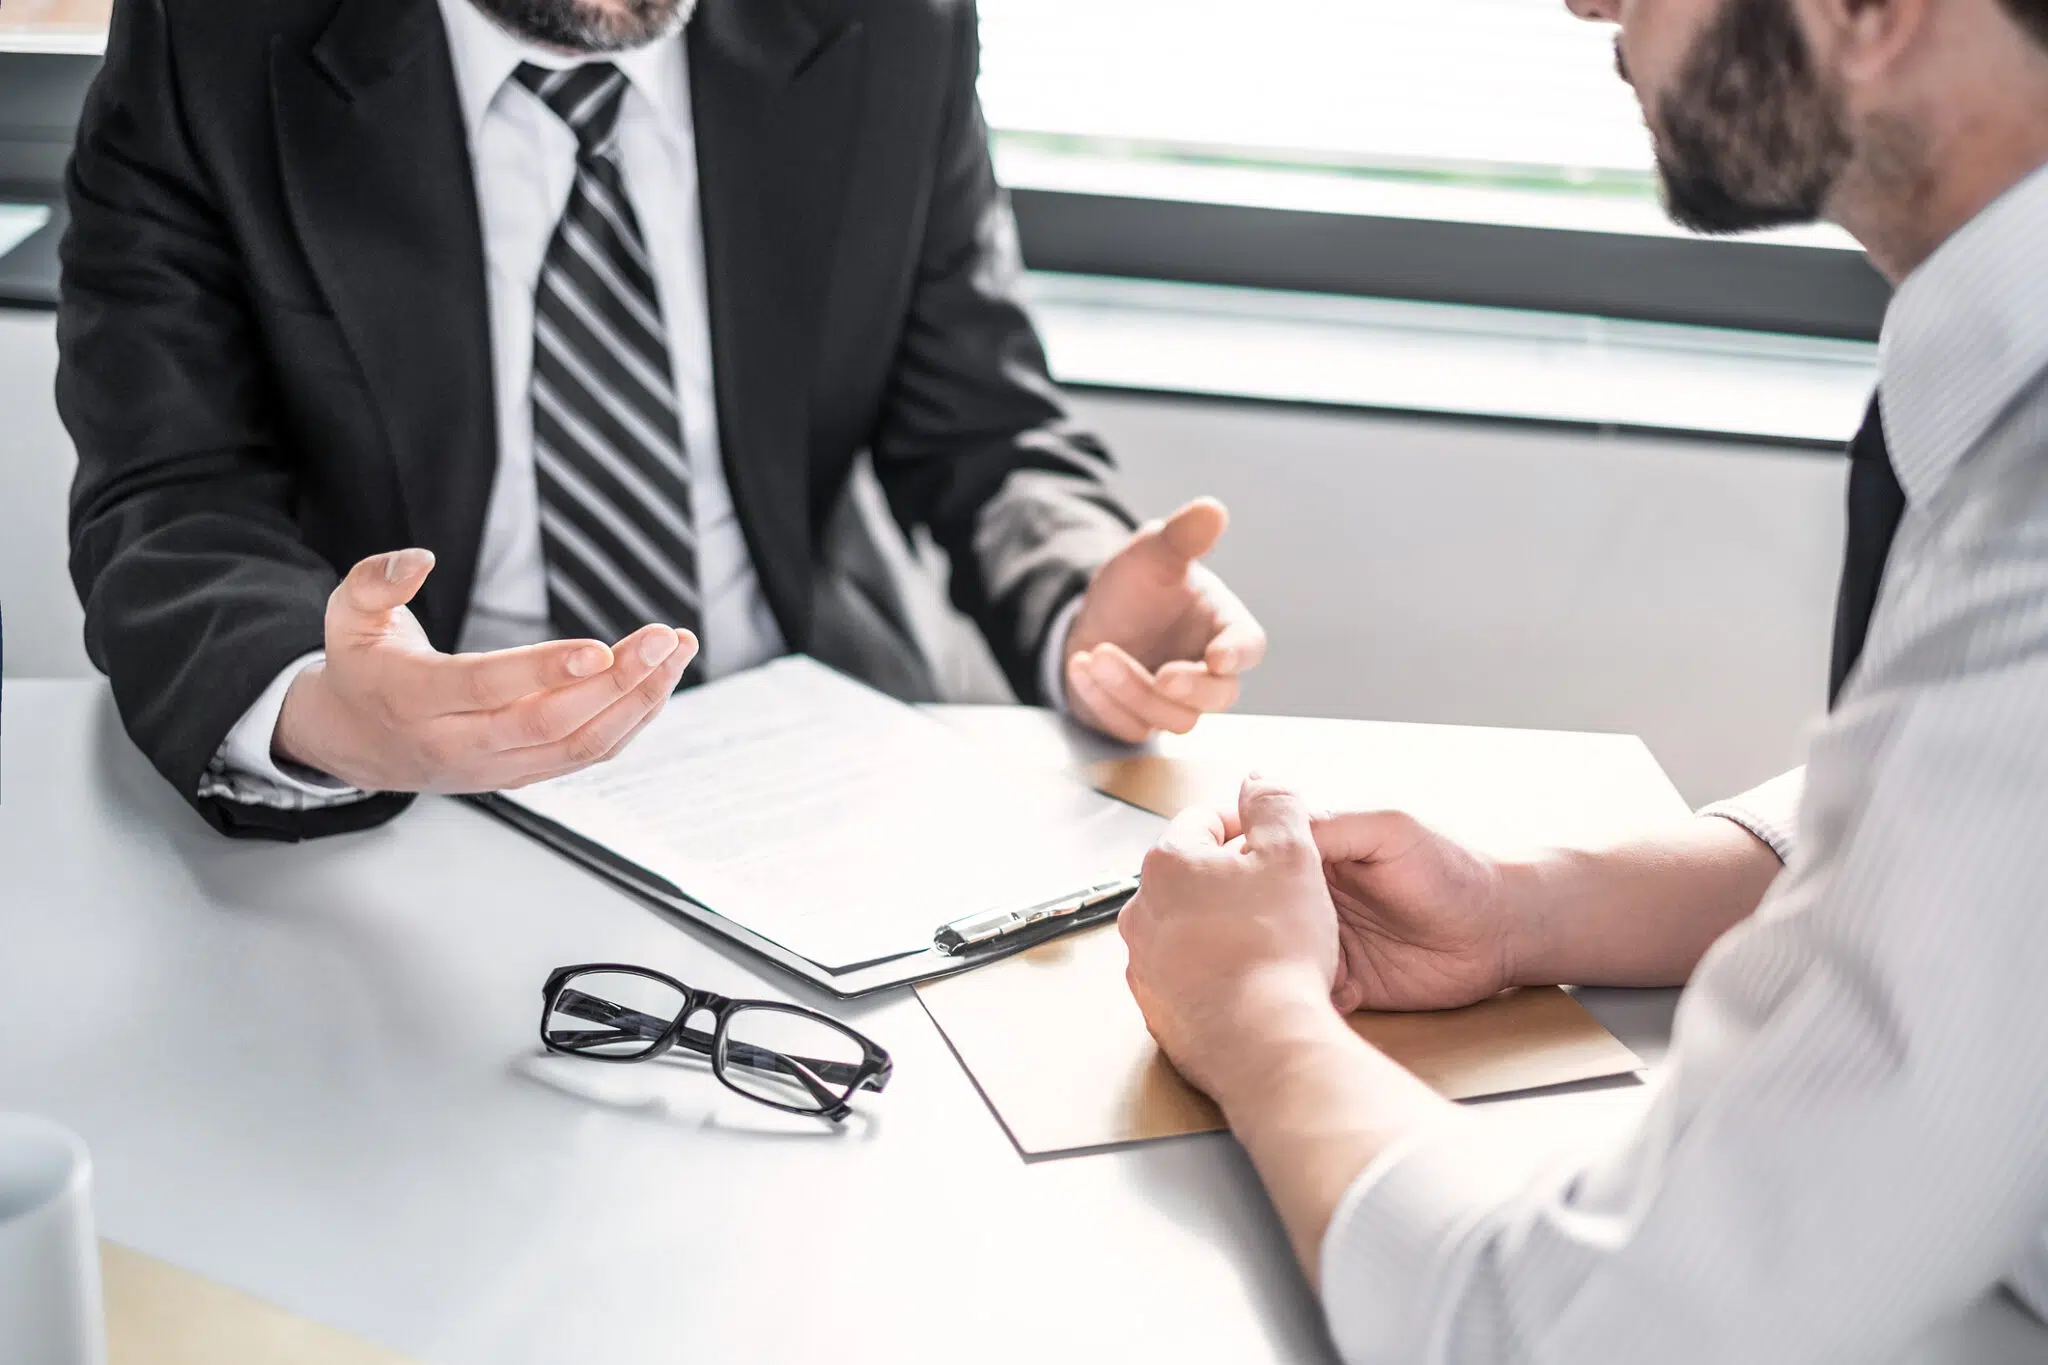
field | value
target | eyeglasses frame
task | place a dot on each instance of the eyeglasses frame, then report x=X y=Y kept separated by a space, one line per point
x=872 y=1073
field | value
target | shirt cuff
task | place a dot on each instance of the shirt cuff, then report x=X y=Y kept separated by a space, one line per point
x=244 y=769
x=1052 y=665
x=1403 y=1231
x=1770 y=812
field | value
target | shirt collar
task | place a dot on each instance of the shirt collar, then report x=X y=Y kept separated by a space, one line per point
x=1963 y=337
x=486 y=55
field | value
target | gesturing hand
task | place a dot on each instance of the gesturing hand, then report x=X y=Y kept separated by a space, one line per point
x=387 y=711
x=1159 y=639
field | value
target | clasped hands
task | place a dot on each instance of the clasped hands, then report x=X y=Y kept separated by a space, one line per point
x=1256 y=930
x=1157 y=642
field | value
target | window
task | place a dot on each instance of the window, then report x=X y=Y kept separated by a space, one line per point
x=48 y=53
x=49 y=50
x=1479 y=151
x=75 y=26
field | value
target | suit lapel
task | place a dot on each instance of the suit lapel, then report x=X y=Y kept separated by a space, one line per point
x=377 y=173
x=774 y=100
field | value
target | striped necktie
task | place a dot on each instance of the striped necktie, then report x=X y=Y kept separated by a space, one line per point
x=616 y=529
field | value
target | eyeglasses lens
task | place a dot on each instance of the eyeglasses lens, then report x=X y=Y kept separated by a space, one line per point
x=611 y=1014
x=789 y=1059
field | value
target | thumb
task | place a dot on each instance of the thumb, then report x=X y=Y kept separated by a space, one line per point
x=1194 y=530
x=1364 y=836
x=1272 y=816
x=383 y=583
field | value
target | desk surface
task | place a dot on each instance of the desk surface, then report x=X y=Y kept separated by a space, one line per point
x=309 y=1072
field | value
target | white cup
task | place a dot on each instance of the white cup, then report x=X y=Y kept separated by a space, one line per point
x=50 y=1311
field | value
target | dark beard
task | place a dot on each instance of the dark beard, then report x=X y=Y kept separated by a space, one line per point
x=577 y=26
x=1749 y=137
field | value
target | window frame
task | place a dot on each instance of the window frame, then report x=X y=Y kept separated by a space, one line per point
x=41 y=96
x=1750 y=285
x=1712 y=282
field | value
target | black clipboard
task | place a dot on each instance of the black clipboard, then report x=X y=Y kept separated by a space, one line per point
x=977 y=934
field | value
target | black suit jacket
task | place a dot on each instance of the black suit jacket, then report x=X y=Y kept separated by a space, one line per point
x=276 y=357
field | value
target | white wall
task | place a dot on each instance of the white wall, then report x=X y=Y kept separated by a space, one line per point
x=1408 y=569
x=1497 y=575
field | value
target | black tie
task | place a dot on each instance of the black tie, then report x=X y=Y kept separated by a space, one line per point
x=1876 y=503
x=616 y=527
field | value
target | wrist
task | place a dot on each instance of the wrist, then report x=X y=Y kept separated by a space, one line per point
x=296 y=739
x=1277 y=1023
x=1522 y=924
x=1303 y=1061
x=1529 y=922
x=1058 y=650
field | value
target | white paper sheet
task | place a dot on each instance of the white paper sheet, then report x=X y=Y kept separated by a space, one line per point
x=19 y=222
x=836 y=822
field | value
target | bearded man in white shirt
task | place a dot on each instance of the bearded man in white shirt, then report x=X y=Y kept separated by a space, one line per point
x=1848 y=1158
x=445 y=374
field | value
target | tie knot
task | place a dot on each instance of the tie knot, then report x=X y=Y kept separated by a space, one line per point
x=585 y=97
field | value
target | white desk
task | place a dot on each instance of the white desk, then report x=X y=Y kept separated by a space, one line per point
x=311 y=1072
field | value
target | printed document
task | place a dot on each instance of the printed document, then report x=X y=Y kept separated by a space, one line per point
x=837 y=822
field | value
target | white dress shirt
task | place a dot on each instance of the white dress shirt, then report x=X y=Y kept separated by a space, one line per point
x=525 y=164
x=524 y=159
x=1848 y=1158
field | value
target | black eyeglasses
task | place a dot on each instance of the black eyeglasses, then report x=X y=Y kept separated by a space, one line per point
x=784 y=1056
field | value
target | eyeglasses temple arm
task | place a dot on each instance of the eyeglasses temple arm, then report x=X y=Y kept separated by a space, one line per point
x=577 y=1005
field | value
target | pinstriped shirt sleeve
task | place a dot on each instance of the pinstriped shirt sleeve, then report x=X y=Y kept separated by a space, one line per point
x=1770 y=812
x=1850 y=1148
x=245 y=770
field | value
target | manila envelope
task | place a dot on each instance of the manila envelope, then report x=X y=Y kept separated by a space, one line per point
x=158 y=1314
x=1058 y=1048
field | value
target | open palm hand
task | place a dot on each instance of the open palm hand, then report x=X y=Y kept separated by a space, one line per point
x=1159 y=640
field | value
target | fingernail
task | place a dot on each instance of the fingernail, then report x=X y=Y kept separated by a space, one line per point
x=657 y=647
x=585 y=662
x=1178 y=686
x=1226 y=661
x=1104 y=669
x=404 y=564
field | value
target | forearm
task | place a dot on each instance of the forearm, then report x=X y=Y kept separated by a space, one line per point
x=1316 y=1110
x=1315 y=1104
x=1637 y=914
x=1825 y=1053
x=975 y=443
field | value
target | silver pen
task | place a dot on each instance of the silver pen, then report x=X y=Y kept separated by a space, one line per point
x=989 y=926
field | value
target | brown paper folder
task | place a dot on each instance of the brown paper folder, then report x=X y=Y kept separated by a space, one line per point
x=1057 y=1045
x=1059 y=1049
x=158 y=1314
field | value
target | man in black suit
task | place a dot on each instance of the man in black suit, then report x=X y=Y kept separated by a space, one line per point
x=564 y=323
